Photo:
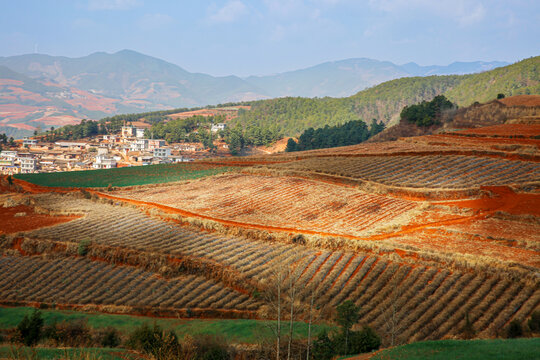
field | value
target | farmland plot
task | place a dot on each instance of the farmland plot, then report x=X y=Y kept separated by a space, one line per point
x=433 y=301
x=81 y=281
x=280 y=202
x=433 y=172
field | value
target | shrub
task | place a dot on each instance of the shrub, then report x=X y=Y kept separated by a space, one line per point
x=365 y=340
x=514 y=330
x=323 y=347
x=534 y=322
x=467 y=332
x=30 y=328
x=83 y=247
x=108 y=337
x=75 y=333
x=154 y=341
x=211 y=348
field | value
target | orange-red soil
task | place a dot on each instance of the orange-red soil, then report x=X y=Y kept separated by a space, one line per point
x=521 y=100
x=506 y=130
x=9 y=223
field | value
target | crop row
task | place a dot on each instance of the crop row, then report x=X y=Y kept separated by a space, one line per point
x=432 y=303
x=280 y=202
x=451 y=171
x=80 y=281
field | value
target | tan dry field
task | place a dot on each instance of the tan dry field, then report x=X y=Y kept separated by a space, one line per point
x=438 y=226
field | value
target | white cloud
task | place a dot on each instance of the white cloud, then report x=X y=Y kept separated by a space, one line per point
x=113 y=4
x=155 y=21
x=230 y=12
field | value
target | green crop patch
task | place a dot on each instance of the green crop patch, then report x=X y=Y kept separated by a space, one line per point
x=235 y=330
x=502 y=349
x=126 y=176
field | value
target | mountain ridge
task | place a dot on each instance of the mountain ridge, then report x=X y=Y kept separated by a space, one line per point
x=61 y=90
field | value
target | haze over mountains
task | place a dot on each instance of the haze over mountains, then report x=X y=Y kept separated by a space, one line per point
x=42 y=90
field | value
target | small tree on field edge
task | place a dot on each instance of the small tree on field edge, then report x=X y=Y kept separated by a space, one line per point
x=30 y=328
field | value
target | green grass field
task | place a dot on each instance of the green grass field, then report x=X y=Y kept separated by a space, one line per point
x=126 y=176
x=17 y=352
x=500 y=349
x=241 y=331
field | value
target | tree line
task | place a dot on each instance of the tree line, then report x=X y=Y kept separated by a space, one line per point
x=427 y=113
x=350 y=133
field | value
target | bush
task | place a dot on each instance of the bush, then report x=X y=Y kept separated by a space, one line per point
x=75 y=333
x=211 y=348
x=534 y=322
x=323 y=347
x=514 y=330
x=108 y=337
x=154 y=341
x=30 y=328
x=83 y=247
x=365 y=340
x=467 y=332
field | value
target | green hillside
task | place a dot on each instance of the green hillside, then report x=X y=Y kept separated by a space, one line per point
x=517 y=79
x=291 y=115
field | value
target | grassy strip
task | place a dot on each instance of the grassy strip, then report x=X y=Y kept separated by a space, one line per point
x=501 y=349
x=241 y=331
x=14 y=352
x=126 y=176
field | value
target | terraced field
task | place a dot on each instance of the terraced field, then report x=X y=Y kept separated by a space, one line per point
x=432 y=300
x=81 y=282
x=435 y=172
x=280 y=202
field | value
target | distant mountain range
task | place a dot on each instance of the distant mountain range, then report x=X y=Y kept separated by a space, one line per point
x=347 y=77
x=38 y=91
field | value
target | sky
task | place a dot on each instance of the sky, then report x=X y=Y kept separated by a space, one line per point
x=241 y=37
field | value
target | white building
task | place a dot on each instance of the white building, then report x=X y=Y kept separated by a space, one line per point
x=73 y=145
x=128 y=131
x=139 y=133
x=104 y=162
x=28 y=165
x=156 y=143
x=217 y=127
x=29 y=142
x=139 y=145
x=8 y=154
x=162 y=152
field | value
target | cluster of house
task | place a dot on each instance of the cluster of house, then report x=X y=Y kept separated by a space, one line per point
x=128 y=148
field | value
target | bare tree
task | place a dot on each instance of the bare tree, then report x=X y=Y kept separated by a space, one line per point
x=273 y=297
x=313 y=291
x=293 y=279
x=393 y=313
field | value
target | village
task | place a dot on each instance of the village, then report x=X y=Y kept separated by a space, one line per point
x=129 y=147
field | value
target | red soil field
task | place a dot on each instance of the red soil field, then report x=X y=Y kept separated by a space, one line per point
x=440 y=241
x=22 y=126
x=280 y=202
x=11 y=223
x=521 y=100
x=10 y=82
x=59 y=120
x=506 y=130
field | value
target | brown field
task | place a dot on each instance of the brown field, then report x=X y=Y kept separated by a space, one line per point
x=282 y=202
x=506 y=130
x=521 y=100
x=438 y=226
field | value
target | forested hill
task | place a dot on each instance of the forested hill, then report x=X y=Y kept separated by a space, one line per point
x=292 y=115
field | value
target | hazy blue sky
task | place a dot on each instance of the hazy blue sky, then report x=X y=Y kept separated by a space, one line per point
x=260 y=37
